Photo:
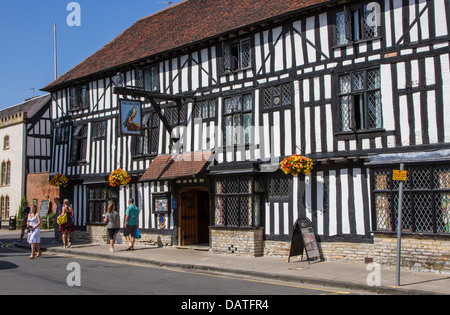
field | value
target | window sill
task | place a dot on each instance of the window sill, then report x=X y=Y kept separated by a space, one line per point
x=78 y=163
x=361 y=41
x=143 y=156
x=362 y=134
x=227 y=72
x=72 y=110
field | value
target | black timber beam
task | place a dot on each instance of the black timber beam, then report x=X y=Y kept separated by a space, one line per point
x=133 y=92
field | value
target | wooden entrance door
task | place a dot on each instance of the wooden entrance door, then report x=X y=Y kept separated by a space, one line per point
x=189 y=218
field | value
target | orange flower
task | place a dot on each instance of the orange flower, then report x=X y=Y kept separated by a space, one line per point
x=59 y=180
x=295 y=164
x=119 y=177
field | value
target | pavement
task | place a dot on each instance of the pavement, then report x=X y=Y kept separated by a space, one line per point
x=343 y=275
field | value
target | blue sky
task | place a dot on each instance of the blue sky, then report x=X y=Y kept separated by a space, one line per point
x=26 y=39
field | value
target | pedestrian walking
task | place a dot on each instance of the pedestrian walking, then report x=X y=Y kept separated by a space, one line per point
x=34 y=232
x=58 y=211
x=111 y=218
x=131 y=221
x=26 y=210
x=67 y=227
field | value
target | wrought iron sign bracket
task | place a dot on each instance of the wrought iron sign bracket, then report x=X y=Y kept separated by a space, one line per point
x=152 y=97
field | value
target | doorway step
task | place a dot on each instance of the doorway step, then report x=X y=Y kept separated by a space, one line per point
x=200 y=247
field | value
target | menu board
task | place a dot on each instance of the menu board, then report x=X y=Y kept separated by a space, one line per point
x=44 y=208
x=309 y=238
x=304 y=239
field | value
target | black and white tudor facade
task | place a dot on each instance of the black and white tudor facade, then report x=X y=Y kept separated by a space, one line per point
x=357 y=86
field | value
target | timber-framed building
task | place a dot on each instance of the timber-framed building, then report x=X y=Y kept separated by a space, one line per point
x=226 y=89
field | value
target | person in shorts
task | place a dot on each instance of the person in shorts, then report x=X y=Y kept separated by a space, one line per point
x=131 y=222
x=111 y=218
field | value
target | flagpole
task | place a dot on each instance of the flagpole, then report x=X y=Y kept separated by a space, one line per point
x=56 y=58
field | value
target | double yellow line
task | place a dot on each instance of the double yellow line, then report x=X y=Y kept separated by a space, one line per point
x=292 y=285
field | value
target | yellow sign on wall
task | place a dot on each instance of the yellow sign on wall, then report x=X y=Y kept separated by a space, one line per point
x=399 y=175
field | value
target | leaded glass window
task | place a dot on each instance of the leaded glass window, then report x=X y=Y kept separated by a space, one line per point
x=235 y=204
x=426 y=195
x=359 y=101
x=149 y=143
x=357 y=23
x=238 y=119
x=236 y=55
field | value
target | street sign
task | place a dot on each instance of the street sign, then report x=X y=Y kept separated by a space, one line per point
x=399 y=175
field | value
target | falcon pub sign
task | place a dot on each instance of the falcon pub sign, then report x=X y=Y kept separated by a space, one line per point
x=130 y=118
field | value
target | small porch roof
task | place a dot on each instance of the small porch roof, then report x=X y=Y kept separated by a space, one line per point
x=165 y=167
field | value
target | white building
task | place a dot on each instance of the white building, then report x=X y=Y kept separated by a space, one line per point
x=25 y=133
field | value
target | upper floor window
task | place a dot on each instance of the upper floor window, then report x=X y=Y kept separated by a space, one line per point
x=98 y=130
x=6 y=142
x=238 y=118
x=62 y=135
x=277 y=96
x=79 y=144
x=205 y=109
x=176 y=115
x=148 y=144
x=147 y=78
x=6 y=173
x=236 y=55
x=360 y=100
x=79 y=97
x=357 y=23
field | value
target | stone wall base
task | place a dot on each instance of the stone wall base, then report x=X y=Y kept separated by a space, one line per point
x=419 y=253
x=97 y=234
x=247 y=242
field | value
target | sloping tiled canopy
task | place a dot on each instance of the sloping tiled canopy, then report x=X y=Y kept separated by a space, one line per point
x=184 y=165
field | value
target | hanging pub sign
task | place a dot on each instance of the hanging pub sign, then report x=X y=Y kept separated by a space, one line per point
x=130 y=118
x=304 y=239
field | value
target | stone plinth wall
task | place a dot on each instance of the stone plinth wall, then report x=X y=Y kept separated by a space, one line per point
x=248 y=242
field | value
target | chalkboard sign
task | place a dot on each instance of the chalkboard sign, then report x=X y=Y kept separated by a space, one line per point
x=44 y=208
x=304 y=238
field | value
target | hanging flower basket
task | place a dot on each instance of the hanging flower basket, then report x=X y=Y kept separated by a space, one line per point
x=59 y=180
x=119 y=177
x=296 y=164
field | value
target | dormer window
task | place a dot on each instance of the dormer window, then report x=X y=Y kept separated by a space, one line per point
x=236 y=55
x=147 y=78
x=79 y=97
x=357 y=23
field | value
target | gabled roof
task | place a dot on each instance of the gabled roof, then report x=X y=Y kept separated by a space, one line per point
x=181 y=25
x=30 y=106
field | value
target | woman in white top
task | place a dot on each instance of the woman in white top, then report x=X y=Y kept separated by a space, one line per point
x=34 y=232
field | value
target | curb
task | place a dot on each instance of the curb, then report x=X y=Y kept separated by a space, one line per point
x=265 y=275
